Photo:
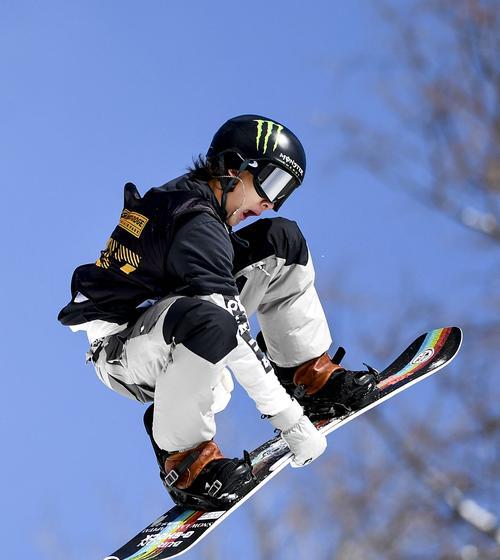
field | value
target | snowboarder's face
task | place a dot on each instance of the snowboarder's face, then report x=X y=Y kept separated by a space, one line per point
x=244 y=201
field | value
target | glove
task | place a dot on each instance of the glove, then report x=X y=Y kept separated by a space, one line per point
x=300 y=434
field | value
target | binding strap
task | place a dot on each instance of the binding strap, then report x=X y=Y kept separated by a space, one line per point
x=313 y=375
x=183 y=467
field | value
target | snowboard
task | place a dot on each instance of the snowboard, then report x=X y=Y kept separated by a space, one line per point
x=179 y=529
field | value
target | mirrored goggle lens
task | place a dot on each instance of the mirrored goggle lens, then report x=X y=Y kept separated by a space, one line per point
x=276 y=184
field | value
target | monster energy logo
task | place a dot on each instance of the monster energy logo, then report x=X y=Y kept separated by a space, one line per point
x=269 y=131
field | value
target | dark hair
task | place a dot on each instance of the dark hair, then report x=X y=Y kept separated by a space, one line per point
x=206 y=168
x=203 y=168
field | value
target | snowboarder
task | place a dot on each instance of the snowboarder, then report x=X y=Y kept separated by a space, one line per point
x=166 y=308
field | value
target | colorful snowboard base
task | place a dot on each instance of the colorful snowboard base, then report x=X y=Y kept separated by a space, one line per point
x=179 y=529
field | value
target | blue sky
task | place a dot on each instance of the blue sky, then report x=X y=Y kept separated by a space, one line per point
x=97 y=93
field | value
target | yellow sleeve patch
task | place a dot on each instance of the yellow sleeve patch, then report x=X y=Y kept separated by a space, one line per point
x=133 y=222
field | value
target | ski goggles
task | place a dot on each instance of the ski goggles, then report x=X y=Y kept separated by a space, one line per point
x=272 y=182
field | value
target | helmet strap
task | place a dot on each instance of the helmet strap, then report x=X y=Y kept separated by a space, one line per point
x=232 y=181
x=228 y=182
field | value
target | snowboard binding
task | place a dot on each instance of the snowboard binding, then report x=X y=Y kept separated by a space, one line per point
x=221 y=483
x=201 y=478
x=340 y=390
x=345 y=392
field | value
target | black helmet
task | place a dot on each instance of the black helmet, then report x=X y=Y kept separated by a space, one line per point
x=267 y=149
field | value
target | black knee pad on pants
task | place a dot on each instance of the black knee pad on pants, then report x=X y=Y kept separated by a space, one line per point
x=271 y=236
x=201 y=326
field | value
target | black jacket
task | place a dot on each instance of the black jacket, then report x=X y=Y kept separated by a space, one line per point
x=171 y=241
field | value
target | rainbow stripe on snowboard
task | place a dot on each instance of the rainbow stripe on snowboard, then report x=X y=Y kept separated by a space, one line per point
x=430 y=347
x=170 y=536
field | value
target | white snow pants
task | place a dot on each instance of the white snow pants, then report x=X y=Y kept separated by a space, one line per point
x=182 y=350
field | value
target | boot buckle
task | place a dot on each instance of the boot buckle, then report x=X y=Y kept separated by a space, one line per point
x=214 y=488
x=299 y=392
x=171 y=478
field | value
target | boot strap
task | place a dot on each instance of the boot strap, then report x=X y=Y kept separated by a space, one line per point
x=183 y=467
x=314 y=374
